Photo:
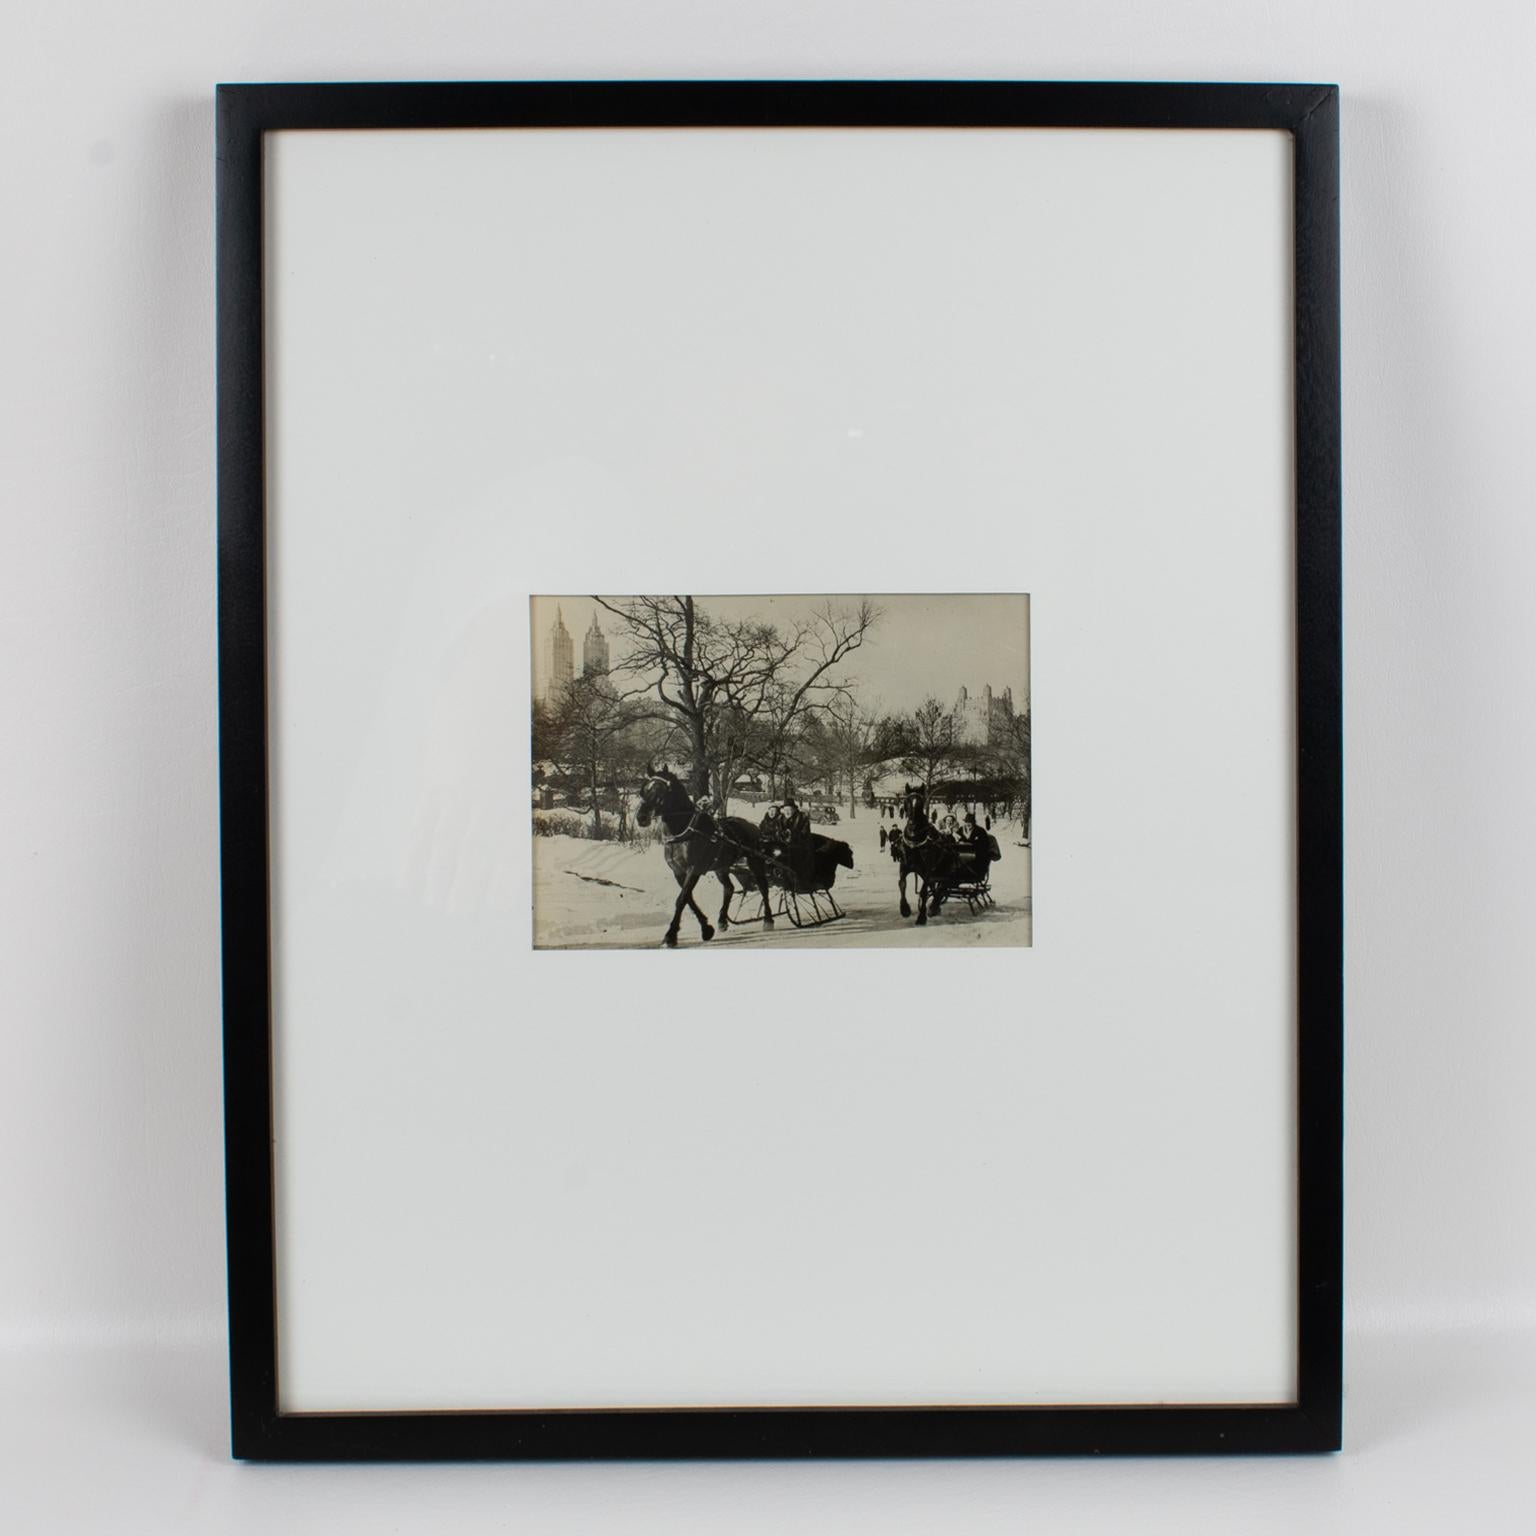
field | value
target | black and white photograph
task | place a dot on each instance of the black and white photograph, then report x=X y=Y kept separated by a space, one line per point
x=807 y=770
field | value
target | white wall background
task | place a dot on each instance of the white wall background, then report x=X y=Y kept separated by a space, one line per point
x=109 y=1099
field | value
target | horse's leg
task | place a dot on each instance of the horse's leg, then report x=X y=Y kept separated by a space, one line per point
x=669 y=938
x=922 y=897
x=685 y=883
x=906 y=910
x=705 y=931
x=760 y=874
x=725 y=904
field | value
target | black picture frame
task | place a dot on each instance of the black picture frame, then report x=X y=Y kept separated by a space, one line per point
x=1310 y=115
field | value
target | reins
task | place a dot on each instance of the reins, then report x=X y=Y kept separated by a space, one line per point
x=688 y=831
x=719 y=835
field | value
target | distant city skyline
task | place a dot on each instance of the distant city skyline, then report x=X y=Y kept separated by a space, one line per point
x=594 y=650
x=917 y=651
x=559 y=656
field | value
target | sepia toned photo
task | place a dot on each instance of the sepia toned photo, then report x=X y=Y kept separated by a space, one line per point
x=783 y=771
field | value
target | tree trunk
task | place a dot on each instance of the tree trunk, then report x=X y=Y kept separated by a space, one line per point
x=698 y=779
x=597 y=810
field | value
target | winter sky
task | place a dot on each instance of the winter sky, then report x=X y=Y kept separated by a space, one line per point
x=923 y=645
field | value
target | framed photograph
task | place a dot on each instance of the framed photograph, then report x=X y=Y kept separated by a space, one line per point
x=793 y=715
x=781 y=768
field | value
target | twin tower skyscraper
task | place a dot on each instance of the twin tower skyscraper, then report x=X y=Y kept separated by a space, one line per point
x=560 y=655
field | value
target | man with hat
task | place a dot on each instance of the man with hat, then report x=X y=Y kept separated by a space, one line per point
x=975 y=845
x=797 y=830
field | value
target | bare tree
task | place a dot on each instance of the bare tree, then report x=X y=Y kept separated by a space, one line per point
x=1011 y=747
x=785 y=746
x=723 y=682
x=854 y=736
x=933 y=745
x=547 y=743
x=588 y=725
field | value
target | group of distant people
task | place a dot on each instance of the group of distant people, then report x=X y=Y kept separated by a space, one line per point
x=950 y=820
x=963 y=828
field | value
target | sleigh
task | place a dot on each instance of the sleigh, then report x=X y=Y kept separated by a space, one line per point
x=799 y=884
x=968 y=878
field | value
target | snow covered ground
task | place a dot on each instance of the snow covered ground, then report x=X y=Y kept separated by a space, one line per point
x=609 y=895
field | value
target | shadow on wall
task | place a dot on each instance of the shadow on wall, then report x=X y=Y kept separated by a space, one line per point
x=135 y=1029
x=1423 y=523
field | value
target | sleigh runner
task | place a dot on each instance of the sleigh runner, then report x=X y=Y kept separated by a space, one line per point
x=968 y=880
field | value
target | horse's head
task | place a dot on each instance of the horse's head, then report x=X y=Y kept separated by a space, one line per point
x=914 y=807
x=658 y=789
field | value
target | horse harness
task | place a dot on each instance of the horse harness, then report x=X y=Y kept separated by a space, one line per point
x=693 y=829
x=690 y=830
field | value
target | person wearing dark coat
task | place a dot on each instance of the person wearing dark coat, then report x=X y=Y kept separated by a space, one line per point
x=974 y=844
x=797 y=825
x=771 y=828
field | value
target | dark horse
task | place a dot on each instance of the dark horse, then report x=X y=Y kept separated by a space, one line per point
x=920 y=849
x=697 y=844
